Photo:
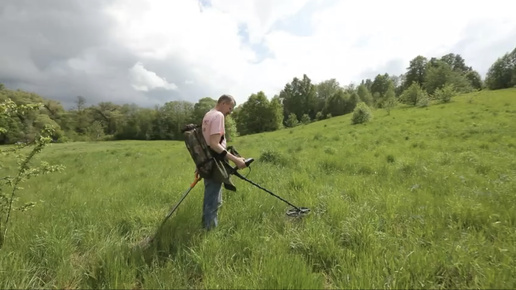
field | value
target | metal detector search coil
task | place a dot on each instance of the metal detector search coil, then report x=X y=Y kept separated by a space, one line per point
x=297 y=212
x=294 y=212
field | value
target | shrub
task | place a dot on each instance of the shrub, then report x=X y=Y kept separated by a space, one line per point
x=292 y=120
x=361 y=114
x=414 y=95
x=273 y=157
x=445 y=94
x=305 y=119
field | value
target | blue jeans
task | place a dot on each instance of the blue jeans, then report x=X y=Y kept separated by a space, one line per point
x=212 y=198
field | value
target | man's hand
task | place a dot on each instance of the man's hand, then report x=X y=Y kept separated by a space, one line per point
x=240 y=162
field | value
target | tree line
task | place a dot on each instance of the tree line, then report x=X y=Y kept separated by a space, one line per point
x=299 y=102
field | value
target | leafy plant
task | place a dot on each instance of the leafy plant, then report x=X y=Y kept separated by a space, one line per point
x=445 y=94
x=24 y=171
x=361 y=114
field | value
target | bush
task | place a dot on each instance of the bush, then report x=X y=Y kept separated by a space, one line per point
x=292 y=120
x=272 y=156
x=305 y=119
x=361 y=114
x=414 y=96
x=445 y=94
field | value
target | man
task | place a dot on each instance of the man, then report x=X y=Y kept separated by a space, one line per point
x=213 y=130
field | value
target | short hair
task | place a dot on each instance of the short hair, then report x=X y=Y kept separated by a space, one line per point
x=226 y=99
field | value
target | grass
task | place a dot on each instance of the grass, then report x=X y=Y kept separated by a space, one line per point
x=420 y=198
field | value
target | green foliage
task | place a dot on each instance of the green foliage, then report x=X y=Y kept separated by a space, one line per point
x=231 y=128
x=361 y=114
x=299 y=97
x=445 y=94
x=319 y=116
x=305 y=119
x=95 y=131
x=258 y=115
x=379 y=88
x=418 y=199
x=416 y=71
x=164 y=122
x=475 y=80
x=456 y=63
x=502 y=73
x=291 y=121
x=201 y=108
x=440 y=73
x=272 y=156
x=325 y=90
x=10 y=185
x=364 y=94
x=414 y=96
x=339 y=104
x=389 y=101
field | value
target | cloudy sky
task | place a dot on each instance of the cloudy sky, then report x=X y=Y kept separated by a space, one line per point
x=149 y=52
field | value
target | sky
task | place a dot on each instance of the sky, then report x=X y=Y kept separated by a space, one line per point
x=149 y=52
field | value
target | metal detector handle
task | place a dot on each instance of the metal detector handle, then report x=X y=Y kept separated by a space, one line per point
x=248 y=161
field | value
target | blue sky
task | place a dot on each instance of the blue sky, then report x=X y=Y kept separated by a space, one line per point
x=149 y=52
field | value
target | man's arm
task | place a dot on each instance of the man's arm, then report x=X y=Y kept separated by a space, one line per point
x=215 y=146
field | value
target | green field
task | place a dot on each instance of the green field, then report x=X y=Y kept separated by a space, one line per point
x=418 y=198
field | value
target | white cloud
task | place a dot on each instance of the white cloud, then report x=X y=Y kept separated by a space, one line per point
x=347 y=38
x=240 y=47
x=145 y=80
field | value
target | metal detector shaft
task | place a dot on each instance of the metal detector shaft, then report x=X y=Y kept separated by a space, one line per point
x=146 y=242
x=265 y=189
x=197 y=178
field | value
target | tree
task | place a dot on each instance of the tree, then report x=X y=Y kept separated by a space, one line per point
x=230 y=128
x=502 y=73
x=414 y=95
x=299 y=97
x=379 y=88
x=456 y=63
x=389 y=101
x=440 y=73
x=109 y=116
x=171 y=118
x=325 y=90
x=201 y=108
x=337 y=104
x=276 y=108
x=475 y=80
x=416 y=71
x=25 y=125
x=82 y=120
x=258 y=115
x=364 y=94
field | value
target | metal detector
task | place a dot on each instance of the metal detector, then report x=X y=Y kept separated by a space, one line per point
x=294 y=212
x=150 y=239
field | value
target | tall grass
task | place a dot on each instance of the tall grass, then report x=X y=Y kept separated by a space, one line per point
x=419 y=198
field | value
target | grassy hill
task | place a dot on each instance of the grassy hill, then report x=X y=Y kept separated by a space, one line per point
x=418 y=198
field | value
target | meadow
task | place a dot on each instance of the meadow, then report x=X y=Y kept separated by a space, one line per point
x=421 y=198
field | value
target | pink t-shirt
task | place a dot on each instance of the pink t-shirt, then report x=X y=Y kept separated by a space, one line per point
x=213 y=123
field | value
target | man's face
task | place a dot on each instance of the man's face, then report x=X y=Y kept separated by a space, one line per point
x=227 y=108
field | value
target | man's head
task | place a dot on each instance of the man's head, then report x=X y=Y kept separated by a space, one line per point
x=225 y=104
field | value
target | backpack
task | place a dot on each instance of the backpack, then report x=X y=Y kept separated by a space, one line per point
x=208 y=166
x=199 y=150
